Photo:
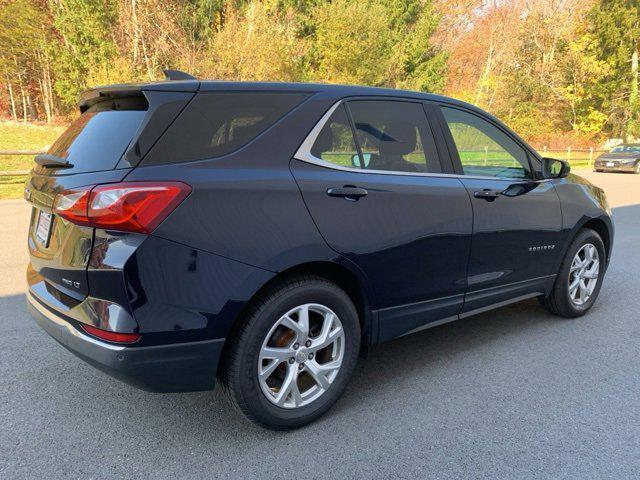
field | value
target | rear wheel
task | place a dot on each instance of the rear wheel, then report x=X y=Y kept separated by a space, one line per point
x=292 y=357
x=580 y=277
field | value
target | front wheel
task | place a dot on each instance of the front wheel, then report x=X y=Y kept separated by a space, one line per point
x=580 y=277
x=292 y=357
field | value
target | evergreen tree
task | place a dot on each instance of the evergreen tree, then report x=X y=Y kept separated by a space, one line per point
x=616 y=26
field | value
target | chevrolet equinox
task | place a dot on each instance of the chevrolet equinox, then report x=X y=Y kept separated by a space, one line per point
x=267 y=234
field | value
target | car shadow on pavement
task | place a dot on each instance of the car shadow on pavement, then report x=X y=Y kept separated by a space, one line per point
x=33 y=363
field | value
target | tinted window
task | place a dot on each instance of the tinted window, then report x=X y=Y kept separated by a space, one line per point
x=215 y=124
x=626 y=148
x=335 y=142
x=394 y=136
x=483 y=148
x=97 y=139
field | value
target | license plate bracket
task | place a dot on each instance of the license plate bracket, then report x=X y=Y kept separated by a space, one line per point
x=43 y=228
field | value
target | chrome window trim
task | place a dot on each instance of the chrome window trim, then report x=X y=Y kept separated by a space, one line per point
x=304 y=155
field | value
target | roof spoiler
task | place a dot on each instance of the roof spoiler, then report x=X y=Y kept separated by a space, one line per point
x=187 y=83
x=178 y=75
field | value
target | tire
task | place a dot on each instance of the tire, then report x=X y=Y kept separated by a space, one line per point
x=265 y=324
x=560 y=301
x=637 y=169
x=598 y=170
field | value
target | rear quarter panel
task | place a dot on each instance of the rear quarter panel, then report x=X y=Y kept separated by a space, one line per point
x=246 y=206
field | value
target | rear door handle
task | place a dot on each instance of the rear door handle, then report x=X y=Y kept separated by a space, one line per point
x=348 y=192
x=487 y=194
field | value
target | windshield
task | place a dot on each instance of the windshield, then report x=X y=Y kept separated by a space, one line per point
x=626 y=148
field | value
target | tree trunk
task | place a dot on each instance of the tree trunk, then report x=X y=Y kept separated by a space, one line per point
x=634 y=101
x=24 y=102
x=42 y=84
x=136 y=32
x=49 y=85
x=12 y=99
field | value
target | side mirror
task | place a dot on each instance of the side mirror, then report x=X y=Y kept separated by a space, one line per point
x=554 y=168
x=355 y=160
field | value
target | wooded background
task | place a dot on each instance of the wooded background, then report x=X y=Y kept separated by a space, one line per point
x=557 y=71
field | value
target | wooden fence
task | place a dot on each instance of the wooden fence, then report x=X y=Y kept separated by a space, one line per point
x=575 y=156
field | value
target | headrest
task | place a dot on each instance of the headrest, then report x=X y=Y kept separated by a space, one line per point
x=398 y=139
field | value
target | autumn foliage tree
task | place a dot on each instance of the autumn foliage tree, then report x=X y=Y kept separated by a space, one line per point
x=567 y=68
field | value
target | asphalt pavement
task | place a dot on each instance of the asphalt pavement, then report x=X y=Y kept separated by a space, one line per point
x=514 y=393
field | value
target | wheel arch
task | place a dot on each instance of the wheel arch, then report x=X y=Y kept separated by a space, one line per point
x=348 y=278
x=601 y=226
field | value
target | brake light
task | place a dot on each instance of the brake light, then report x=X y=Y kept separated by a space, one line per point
x=129 y=206
x=111 y=336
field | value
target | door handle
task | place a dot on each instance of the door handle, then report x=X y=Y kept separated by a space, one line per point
x=349 y=192
x=487 y=194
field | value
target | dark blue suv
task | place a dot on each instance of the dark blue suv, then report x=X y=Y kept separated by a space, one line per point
x=268 y=234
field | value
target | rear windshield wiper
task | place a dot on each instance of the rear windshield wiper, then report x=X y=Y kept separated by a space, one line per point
x=52 y=161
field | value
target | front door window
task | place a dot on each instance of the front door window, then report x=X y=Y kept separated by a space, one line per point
x=484 y=149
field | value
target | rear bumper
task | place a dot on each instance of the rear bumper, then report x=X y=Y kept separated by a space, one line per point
x=178 y=367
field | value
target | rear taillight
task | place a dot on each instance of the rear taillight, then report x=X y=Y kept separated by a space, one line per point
x=131 y=206
x=111 y=336
x=73 y=205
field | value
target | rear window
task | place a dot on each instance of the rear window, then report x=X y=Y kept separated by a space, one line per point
x=98 y=138
x=215 y=124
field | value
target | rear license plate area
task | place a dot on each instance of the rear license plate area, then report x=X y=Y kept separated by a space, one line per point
x=43 y=228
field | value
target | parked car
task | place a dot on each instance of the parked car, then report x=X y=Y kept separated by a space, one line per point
x=268 y=234
x=622 y=158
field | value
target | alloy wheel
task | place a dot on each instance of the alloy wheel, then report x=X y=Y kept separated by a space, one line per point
x=583 y=274
x=301 y=356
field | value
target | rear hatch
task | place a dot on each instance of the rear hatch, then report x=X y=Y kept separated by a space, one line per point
x=116 y=128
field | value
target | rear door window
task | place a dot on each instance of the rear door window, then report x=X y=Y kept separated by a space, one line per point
x=335 y=143
x=394 y=136
x=216 y=124
x=98 y=138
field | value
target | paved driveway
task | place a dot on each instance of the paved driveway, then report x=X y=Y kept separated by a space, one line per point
x=513 y=393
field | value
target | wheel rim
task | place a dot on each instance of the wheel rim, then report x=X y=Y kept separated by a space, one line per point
x=301 y=356
x=583 y=275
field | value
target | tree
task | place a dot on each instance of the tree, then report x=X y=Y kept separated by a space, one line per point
x=616 y=27
x=424 y=64
x=24 y=60
x=380 y=43
x=353 y=42
x=256 y=42
x=85 y=29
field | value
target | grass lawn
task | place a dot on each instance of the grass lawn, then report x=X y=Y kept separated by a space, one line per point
x=11 y=187
x=18 y=136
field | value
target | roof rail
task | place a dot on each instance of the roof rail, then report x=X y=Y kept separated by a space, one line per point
x=178 y=75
